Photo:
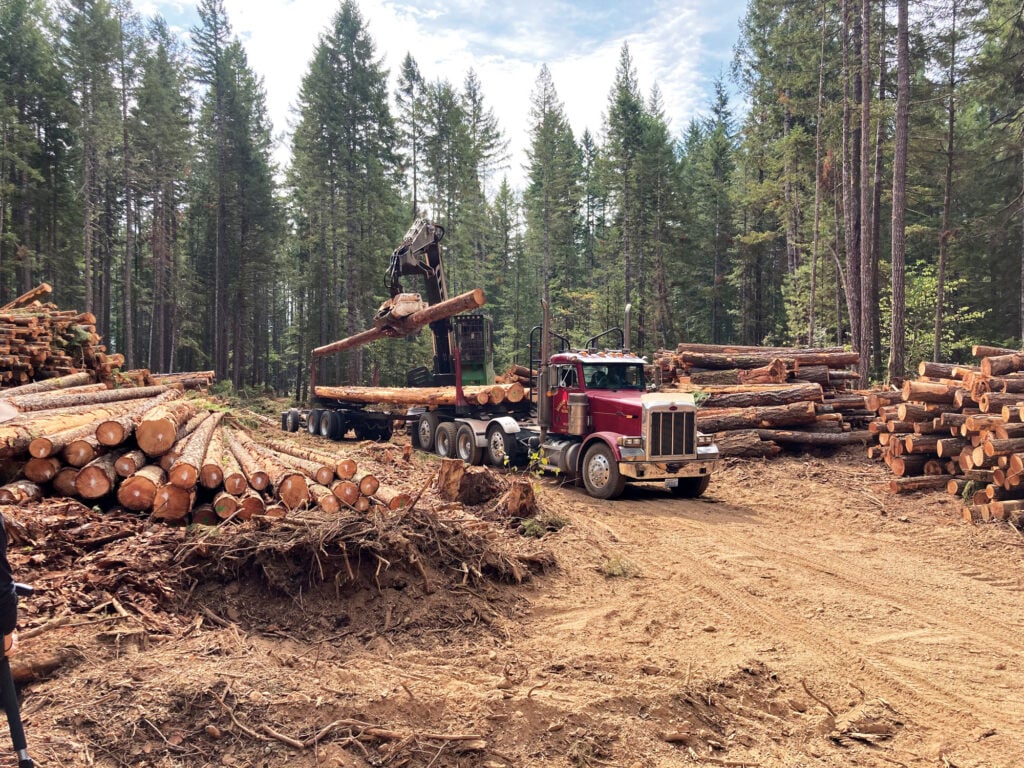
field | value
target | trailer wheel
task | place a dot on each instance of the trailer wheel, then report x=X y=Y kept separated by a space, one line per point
x=313 y=421
x=601 y=473
x=326 y=420
x=444 y=440
x=292 y=420
x=332 y=425
x=501 y=447
x=466 y=447
x=426 y=428
x=691 y=487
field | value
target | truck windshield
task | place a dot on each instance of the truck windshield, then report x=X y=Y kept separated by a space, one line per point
x=613 y=375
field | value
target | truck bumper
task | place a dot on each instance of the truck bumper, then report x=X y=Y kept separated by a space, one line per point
x=651 y=470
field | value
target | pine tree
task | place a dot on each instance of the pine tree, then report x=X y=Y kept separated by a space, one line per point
x=89 y=46
x=410 y=99
x=344 y=179
x=162 y=124
x=551 y=202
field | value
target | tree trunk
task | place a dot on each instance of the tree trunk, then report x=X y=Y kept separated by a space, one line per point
x=947 y=189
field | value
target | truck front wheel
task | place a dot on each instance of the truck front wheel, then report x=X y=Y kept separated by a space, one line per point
x=691 y=487
x=601 y=473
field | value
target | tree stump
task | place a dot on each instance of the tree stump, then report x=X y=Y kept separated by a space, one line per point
x=449 y=478
x=519 y=500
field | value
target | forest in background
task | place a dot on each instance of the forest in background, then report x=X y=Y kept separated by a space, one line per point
x=868 y=192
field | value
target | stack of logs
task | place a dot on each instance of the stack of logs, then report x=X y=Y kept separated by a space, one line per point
x=959 y=428
x=41 y=341
x=172 y=457
x=517 y=374
x=757 y=399
x=714 y=364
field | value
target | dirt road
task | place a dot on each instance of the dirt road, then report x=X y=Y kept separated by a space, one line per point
x=798 y=615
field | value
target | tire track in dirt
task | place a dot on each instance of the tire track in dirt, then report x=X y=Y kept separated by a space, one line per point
x=923 y=691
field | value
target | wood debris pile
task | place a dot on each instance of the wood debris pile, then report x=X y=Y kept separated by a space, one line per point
x=959 y=428
x=754 y=400
x=434 y=541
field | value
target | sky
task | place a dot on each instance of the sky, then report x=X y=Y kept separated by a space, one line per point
x=681 y=46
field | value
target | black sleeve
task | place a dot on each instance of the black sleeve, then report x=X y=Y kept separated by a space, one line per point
x=8 y=598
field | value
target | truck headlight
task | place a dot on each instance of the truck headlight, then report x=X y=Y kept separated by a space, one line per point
x=630 y=442
x=705 y=440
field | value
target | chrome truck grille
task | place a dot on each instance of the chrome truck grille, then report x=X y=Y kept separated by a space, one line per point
x=672 y=434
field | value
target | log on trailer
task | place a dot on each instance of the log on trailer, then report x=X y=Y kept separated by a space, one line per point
x=513 y=393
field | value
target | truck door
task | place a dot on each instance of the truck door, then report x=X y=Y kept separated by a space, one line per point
x=567 y=378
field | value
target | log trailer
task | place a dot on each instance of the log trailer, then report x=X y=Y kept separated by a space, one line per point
x=590 y=415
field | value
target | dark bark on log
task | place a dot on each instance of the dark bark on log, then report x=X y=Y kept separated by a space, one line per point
x=745 y=443
x=815 y=438
x=766 y=396
x=751 y=418
x=922 y=483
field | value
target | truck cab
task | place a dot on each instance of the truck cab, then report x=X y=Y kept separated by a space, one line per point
x=606 y=429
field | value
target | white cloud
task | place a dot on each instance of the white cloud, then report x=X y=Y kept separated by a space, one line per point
x=505 y=44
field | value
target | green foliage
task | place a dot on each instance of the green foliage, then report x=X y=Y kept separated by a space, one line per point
x=620 y=568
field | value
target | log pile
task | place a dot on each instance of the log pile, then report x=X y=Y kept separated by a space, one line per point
x=40 y=341
x=517 y=374
x=153 y=451
x=714 y=364
x=758 y=400
x=958 y=428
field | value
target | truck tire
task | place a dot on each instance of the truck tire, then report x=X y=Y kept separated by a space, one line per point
x=601 y=475
x=426 y=428
x=313 y=421
x=332 y=425
x=292 y=420
x=466 y=447
x=501 y=447
x=691 y=487
x=444 y=440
